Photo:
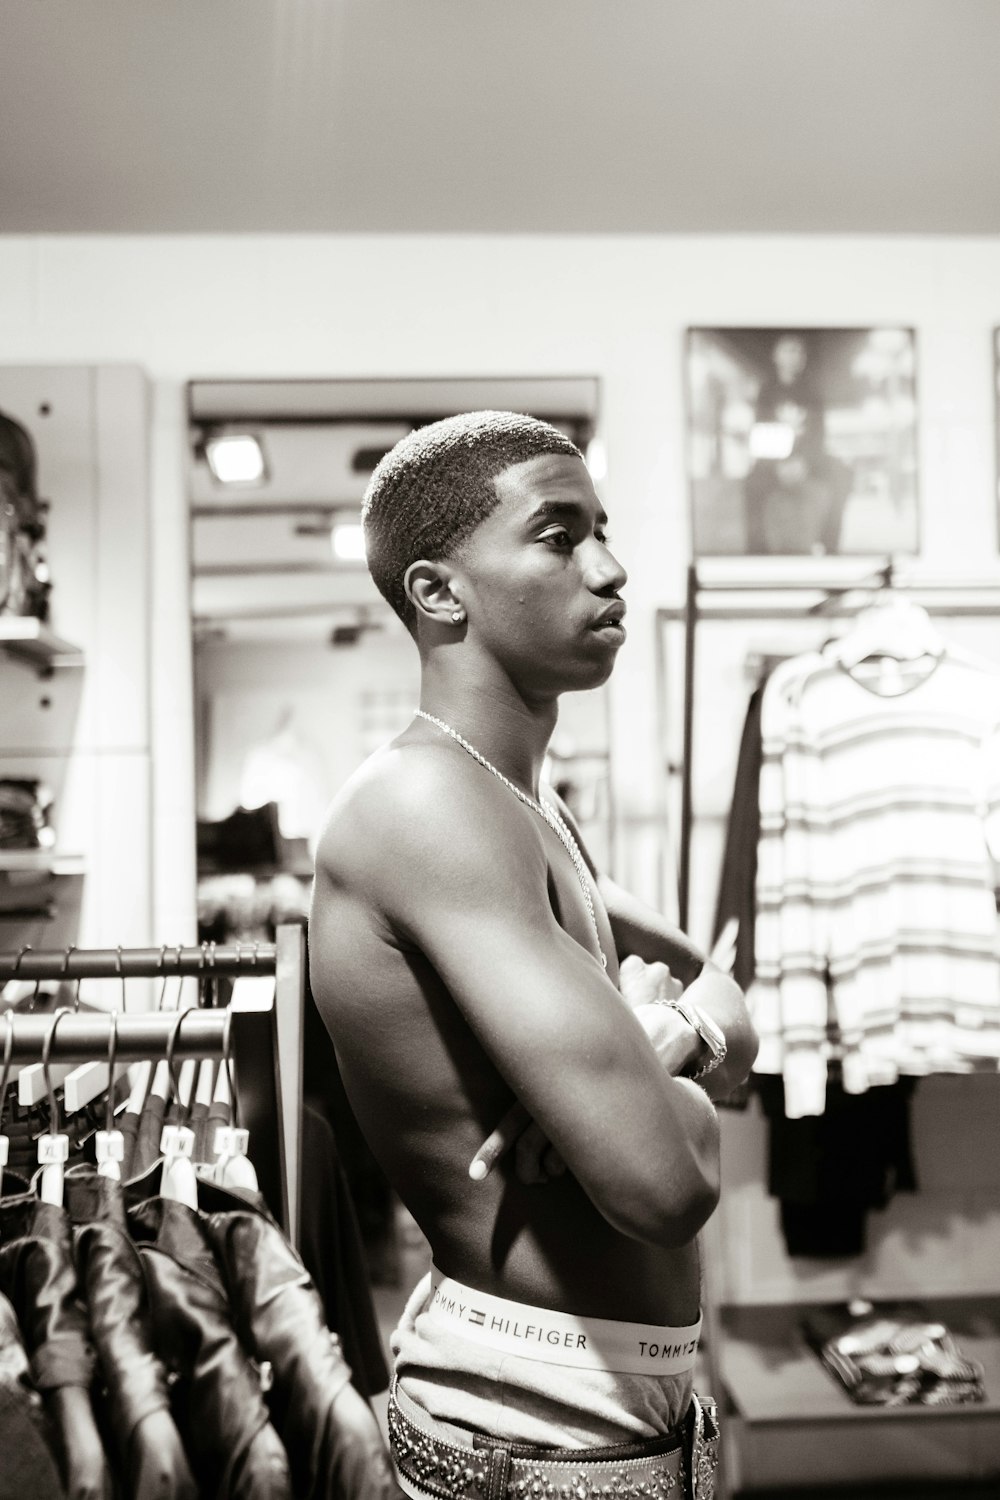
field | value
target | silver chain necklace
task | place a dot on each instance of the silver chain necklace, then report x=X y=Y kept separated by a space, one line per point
x=545 y=812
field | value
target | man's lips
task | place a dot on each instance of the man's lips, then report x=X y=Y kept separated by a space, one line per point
x=613 y=615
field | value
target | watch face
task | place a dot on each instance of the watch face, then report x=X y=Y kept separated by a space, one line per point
x=713 y=1036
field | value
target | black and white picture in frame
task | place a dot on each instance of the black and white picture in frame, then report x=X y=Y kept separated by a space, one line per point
x=802 y=441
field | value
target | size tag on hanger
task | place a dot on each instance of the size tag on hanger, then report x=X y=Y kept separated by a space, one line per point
x=109 y=1147
x=231 y=1140
x=177 y=1140
x=52 y=1149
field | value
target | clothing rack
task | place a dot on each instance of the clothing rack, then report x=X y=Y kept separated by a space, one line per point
x=793 y=597
x=264 y=1036
x=818 y=596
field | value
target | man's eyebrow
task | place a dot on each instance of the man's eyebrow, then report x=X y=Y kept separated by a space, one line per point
x=561 y=510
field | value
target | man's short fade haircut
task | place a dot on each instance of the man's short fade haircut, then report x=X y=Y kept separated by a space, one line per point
x=431 y=491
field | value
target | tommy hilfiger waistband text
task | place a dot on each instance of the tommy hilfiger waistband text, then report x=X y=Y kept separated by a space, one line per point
x=561 y=1338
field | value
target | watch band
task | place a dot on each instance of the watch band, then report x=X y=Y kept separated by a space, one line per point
x=712 y=1035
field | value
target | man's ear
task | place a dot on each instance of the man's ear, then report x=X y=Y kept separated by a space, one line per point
x=430 y=588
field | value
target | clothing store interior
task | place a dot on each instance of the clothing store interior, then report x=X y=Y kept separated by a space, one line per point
x=745 y=255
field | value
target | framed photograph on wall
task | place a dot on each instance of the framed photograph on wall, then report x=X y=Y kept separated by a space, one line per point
x=802 y=441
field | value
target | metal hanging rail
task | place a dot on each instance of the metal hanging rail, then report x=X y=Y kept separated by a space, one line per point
x=264 y=1034
x=221 y=960
x=86 y=1036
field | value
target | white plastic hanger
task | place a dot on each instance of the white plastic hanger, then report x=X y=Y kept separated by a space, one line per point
x=891 y=626
x=232 y=1166
x=53 y=1147
x=90 y=1079
x=110 y=1143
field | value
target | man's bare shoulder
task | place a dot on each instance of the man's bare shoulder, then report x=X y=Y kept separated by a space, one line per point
x=424 y=804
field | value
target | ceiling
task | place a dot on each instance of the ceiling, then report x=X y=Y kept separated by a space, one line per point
x=500 y=115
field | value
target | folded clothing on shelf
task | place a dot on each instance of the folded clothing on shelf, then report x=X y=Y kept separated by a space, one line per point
x=24 y=815
x=893 y=1355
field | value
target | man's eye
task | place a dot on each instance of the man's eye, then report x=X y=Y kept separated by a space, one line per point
x=559 y=537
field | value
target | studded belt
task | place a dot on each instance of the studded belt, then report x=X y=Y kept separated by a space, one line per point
x=431 y=1466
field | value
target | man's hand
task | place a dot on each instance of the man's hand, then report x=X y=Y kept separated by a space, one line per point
x=643 y=987
x=535 y=1158
x=643 y=984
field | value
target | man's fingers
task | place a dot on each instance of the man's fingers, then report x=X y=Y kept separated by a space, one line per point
x=528 y=1155
x=644 y=984
x=499 y=1141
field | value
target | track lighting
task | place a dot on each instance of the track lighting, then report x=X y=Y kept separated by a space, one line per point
x=236 y=458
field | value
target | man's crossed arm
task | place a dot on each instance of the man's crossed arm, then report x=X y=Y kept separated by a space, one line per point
x=657 y=963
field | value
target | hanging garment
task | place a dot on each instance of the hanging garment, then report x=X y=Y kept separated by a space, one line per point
x=197 y=1121
x=876 y=931
x=217 y=1396
x=146 y=1151
x=21 y=1127
x=28 y=1469
x=334 y=1445
x=128 y=1123
x=334 y=1255
x=347 y=1213
x=150 y=1454
x=830 y=1170
x=37 y=1275
x=13 y=1184
x=737 y=882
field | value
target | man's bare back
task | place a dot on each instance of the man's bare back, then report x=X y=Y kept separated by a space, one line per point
x=425 y=1086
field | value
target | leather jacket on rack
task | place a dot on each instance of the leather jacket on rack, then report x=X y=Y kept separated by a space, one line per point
x=151 y=1456
x=217 y=1397
x=37 y=1275
x=28 y=1468
x=334 y=1445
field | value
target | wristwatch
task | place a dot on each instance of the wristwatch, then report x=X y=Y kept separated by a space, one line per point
x=712 y=1035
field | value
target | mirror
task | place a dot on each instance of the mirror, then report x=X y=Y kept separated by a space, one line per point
x=301 y=669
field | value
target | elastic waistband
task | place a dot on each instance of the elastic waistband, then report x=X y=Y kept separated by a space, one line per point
x=557 y=1338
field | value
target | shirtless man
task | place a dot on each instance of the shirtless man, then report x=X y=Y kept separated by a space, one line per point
x=466 y=961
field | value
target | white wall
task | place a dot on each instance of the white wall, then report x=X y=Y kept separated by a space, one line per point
x=613 y=307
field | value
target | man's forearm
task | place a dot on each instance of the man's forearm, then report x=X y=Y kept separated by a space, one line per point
x=641 y=931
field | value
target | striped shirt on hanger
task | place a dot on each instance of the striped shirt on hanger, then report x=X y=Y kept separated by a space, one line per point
x=876 y=931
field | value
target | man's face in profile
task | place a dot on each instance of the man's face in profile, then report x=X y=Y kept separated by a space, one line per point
x=542 y=585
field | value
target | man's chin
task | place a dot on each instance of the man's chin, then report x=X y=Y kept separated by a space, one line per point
x=591 y=674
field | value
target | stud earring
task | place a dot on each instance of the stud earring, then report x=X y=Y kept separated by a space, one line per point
x=458 y=615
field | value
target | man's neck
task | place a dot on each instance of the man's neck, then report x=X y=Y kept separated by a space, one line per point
x=512 y=734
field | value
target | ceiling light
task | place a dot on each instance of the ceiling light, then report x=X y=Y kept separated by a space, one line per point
x=236 y=458
x=348 y=541
x=771 y=440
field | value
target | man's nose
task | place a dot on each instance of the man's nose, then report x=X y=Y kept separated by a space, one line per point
x=604 y=572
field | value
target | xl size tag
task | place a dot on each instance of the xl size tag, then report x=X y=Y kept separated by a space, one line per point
x=53 y=1149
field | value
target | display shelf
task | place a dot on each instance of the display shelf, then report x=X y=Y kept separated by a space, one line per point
x=772 y=1375
x=31 y=640
x=42 y=861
